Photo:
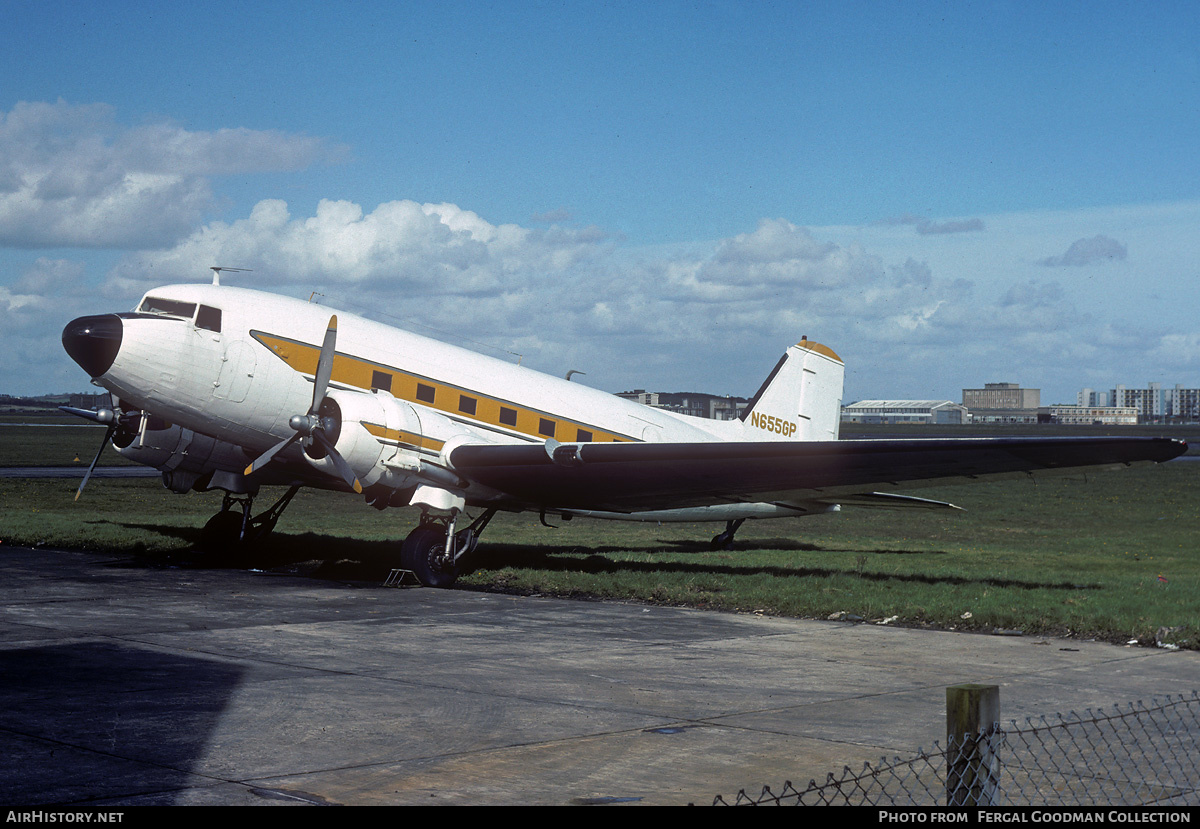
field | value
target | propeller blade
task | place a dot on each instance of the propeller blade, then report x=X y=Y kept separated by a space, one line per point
x=112 y=430
x=265 y=458
x=324 y=365
x=339 y=462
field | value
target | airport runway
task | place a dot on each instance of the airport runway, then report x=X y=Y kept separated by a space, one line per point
x=126 y=685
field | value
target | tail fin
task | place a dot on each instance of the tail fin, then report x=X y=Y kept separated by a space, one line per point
x=801 y=399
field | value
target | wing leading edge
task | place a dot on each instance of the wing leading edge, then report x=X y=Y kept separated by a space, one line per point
x=634 y=477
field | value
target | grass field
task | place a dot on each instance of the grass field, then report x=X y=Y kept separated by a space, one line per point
x=68 y=442
x=1107 y=555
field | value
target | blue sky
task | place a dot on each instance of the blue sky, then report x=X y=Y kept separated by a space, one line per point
x=661 y=195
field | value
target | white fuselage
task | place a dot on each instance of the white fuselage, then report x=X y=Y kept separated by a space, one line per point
x=227 y=383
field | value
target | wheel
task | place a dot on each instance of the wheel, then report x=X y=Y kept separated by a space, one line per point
x=422 y=552
x=724 y=540
x=222 y=531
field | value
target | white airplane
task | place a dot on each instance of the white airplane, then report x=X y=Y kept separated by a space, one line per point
x=227 y=388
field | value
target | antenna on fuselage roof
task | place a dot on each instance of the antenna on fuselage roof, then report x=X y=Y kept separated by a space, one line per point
x=216 y=269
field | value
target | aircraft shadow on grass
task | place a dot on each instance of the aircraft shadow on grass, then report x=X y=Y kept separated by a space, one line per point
x=334 y=557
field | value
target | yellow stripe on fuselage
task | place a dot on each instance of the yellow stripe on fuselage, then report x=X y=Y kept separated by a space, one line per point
x=455 y=401
x=410 y=439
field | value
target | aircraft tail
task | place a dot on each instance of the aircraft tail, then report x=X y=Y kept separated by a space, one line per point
x=801 y=399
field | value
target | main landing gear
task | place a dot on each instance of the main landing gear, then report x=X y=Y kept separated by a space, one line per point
x=434 y=552
x=436 y=549
x=724 y=541
x=230 y=527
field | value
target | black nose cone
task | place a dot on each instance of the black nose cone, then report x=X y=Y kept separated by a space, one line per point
x=93 y=342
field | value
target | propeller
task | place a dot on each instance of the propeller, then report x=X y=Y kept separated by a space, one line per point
x=116 y=423
x=322 y=419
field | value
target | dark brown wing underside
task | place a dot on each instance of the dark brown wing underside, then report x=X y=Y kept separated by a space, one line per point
x=632 y=477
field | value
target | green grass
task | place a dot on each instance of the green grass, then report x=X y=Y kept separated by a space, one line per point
x=68 y=442
x=1064 y=557
x=1068 y=556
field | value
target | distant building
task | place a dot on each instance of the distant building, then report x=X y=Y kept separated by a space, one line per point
x=904 y=411
x=1002 y=403
x=103 y=400
x=696 y=404
x=1091 y=397
x=1148 y=401
x=1157 y=405
x=646 y=398
x=1183 y=404
x=1089 y=415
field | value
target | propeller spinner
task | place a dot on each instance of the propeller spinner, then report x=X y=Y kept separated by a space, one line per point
x=322 y=420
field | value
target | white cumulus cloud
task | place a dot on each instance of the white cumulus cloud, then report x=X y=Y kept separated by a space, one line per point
x=400 y=246
x=72 y=176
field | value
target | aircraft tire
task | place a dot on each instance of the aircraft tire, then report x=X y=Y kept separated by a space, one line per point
x=420 y=553
x=724 y=541
x=221 y=532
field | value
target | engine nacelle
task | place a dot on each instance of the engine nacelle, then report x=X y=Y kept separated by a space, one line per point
x=390 y=444
x=347 y=417
x=183 y=456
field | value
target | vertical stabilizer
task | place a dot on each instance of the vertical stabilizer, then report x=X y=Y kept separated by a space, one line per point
x=801 y=399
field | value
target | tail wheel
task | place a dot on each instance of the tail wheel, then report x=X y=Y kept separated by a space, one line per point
x=424 y=553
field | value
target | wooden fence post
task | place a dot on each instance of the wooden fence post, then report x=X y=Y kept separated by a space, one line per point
x=972 y=769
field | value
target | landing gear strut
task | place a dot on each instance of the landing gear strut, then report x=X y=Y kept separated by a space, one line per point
x=229 y=528
x=724 y=541
x=435 y=550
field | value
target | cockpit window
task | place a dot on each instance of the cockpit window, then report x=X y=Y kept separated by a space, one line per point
x=168 y=307
x=208 y=318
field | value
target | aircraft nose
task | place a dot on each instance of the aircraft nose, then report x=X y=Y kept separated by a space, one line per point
x=93 y=342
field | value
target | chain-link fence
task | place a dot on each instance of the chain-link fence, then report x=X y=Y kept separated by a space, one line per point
x=1145 y=755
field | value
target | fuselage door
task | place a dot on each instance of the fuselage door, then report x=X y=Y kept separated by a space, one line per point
x=237 y=371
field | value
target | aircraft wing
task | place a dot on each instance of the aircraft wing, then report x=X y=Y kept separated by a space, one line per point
x=632 y=477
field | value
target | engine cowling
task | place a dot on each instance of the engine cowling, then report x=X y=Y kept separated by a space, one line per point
x=390 y=445
x=348 y=418
x=183 y=456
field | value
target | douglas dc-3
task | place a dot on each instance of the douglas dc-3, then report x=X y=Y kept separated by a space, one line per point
x=227 y=388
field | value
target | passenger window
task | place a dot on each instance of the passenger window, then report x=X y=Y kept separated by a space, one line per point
x=508 y=416
x=584 y=436
x=546 y=427
x=381 y=380
x=466 y=405
x=425 y=393
x=209 y=318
